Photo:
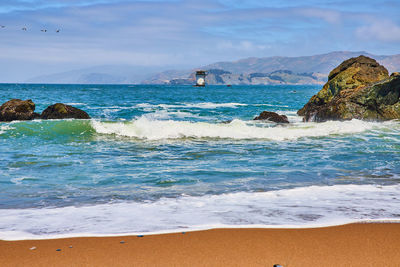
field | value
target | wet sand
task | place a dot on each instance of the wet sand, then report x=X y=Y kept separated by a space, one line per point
x=362 y=244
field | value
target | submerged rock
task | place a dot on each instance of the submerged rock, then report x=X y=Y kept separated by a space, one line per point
x=17 y=109
x=359 y=88
x=272 y=116
x=62 y=111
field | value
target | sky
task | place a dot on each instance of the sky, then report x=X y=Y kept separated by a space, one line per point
x=177 y=34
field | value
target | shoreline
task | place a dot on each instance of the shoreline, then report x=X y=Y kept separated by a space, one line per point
x=355 y=244
x=205 y=228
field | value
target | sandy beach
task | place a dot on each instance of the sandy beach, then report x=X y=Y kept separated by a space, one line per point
x=361 y=244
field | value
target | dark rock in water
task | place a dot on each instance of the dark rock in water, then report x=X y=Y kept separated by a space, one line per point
x=395 y=74
x=62 y=111
x=17 y=109
x=359 y=88
x=272 y=116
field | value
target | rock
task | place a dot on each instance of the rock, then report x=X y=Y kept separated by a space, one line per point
x=359 y=88
x=17 y=109
x=62 y=111
x=272 y=116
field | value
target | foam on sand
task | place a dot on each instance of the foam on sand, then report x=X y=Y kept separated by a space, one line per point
x=299 y=207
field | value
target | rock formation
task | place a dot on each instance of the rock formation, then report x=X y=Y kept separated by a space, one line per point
x=272 y=116
x=62 y=111
x=359 y=88
x=17 y=109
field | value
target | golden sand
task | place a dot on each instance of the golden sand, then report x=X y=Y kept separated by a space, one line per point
x=362 y=244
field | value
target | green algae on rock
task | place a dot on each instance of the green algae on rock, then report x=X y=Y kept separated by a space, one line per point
x=359 y=88
x=17 y=109
x=62 y=111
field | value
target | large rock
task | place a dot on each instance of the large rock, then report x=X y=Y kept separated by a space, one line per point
x=62 y=111
x=359 y=88
x=17 y=109
x=272 y=116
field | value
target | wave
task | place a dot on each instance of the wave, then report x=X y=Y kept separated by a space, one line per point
x=299 y=207
x=159 y=126
x=46 y=128
x=144 y=128
x=76 y=104
x=4 y=128
x=204 y=105
x=165 y=114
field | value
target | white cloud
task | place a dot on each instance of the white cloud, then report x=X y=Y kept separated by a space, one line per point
x=383 y=30
x=245 y=45
x=327 y=15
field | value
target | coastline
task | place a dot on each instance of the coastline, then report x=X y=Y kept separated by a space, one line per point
x=356 y=244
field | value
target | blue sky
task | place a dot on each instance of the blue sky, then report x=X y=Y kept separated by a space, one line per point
x=180 y=34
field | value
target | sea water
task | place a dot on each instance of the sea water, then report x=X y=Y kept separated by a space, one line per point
x=173 y=158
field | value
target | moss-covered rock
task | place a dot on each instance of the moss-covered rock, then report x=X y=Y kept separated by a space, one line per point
x=17 y=109
x=359 y=88
x=62 y=111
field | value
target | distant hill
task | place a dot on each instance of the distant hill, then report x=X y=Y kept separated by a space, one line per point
x=272 y=70
x=108 y=74
x=265 y=70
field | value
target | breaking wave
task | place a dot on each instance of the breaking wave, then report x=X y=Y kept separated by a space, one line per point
x=144 y=128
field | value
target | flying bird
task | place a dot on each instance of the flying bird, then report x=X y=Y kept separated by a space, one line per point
x=44 y=30
x=57 y=30
x=2 y=26
x=24 y=28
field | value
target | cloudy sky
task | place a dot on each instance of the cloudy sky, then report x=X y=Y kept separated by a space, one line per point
x=180 y=34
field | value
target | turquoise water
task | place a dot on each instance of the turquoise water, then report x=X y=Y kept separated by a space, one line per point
x=159 y=158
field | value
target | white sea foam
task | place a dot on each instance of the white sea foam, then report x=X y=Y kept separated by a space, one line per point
x=75 y=104
x=5 y=127
x=165 y=114
x=300 y=207
x=144 y=128
x=205 y=105
x=269 y=105
x=17 y=180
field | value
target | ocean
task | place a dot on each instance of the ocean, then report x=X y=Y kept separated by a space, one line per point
x=175 y=158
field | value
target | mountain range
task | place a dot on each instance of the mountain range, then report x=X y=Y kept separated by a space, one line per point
x=264 y=70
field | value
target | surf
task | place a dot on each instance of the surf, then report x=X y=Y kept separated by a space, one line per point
x=311 y=206
x=150 y=129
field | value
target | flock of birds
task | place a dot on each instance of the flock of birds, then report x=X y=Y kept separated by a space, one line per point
x=26 y=29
